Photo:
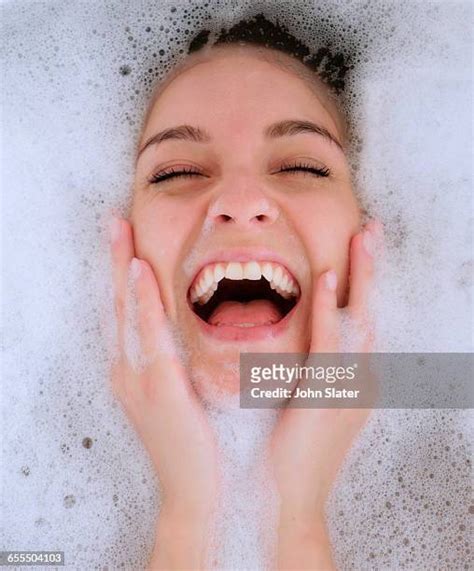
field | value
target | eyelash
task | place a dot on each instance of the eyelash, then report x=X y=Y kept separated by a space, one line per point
x=171 y=173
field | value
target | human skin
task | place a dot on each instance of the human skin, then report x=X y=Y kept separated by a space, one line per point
x=240 y=197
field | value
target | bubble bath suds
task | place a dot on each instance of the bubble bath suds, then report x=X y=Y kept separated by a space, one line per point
x=76 y=81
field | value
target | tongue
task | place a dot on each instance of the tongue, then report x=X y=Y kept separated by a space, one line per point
x=255 y=312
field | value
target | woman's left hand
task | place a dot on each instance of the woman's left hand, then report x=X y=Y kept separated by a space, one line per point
x=308 y=446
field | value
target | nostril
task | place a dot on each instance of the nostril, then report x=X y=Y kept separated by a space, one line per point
x=225 y=217
x=260 y=217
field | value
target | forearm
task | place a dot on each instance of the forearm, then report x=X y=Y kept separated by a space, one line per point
x=303 y=543
x=181 y=541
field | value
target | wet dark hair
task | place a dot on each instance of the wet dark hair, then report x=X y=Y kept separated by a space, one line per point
x=259 y=31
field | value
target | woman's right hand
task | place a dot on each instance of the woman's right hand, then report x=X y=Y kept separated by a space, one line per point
x=160 y=402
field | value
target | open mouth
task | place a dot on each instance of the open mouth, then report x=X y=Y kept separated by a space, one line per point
x=249 y=294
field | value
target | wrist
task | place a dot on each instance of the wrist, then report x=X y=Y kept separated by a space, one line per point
x=296 y=521
x=303 y=541
x=302 y=511
x=187 y=511
x=182 y=534
x=184 y=522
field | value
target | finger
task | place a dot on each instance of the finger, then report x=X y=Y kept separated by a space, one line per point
x=376 y=227
x=362 y=252
x=165 y=380
x=362 y=268
x=122 y=252
x=325 y=327
x=151 y=320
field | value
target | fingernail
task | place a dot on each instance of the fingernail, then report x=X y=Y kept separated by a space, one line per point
x=135 y=268
x=368 y=241
x=115 y=229
x=330 y=280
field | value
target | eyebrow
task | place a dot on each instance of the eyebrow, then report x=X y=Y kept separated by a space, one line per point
x=284 y=128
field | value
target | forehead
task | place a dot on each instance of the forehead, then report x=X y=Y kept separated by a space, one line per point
x=243 y=83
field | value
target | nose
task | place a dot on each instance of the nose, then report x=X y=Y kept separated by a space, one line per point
x=243 y=203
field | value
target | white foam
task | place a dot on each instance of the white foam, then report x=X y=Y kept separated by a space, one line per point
x=76 y=84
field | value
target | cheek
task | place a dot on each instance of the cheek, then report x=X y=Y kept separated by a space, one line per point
x=326 y=223
x=157 y=228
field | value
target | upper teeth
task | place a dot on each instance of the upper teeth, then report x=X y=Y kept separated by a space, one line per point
x=209 y=277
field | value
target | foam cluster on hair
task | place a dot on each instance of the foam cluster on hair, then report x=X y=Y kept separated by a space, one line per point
x=259 y=31
x=77 y=81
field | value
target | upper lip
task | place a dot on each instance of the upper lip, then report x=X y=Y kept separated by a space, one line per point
x=246 y=254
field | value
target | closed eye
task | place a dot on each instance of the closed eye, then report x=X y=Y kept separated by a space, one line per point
x=171 y=173
x=305 y=168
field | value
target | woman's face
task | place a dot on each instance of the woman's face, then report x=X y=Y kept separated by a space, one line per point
x=261 y=185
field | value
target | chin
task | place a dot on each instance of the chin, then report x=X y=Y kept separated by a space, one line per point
x=214 y=364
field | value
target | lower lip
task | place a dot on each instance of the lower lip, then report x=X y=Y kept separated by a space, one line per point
x=257 y=333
